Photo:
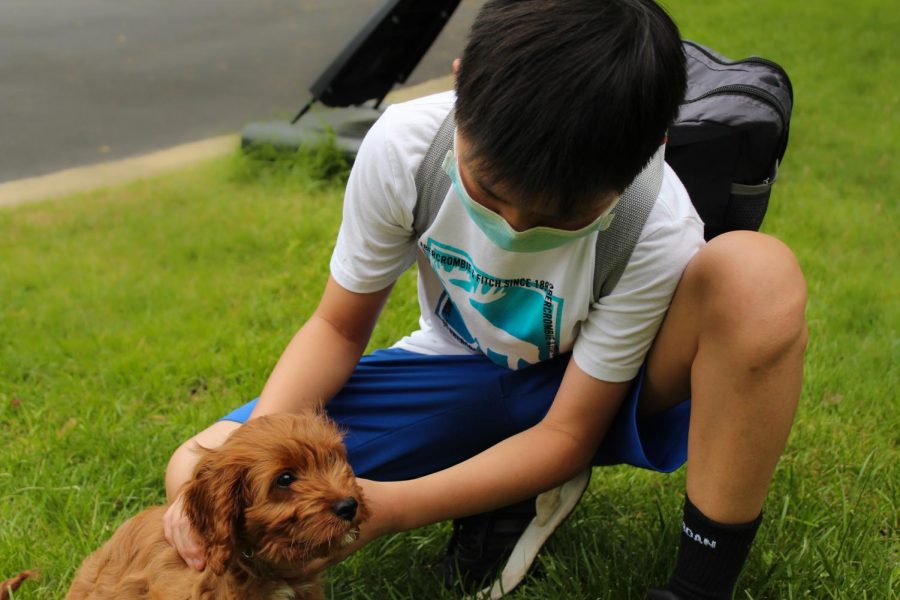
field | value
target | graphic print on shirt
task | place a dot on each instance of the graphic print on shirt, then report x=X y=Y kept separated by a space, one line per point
x=514 y=322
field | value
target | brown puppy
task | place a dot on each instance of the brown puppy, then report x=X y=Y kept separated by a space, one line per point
x=278 y=494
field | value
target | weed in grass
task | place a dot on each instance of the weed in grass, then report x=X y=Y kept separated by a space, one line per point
x=316 y=166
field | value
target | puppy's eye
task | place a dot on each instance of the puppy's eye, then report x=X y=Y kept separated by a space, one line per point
x=285 y=480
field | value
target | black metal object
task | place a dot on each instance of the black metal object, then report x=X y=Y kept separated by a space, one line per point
x=382 y=54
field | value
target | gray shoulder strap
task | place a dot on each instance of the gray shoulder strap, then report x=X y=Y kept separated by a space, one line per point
x=615 y=245
x=431 y=181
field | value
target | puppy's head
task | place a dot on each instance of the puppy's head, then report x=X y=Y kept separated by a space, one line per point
x=279 y=491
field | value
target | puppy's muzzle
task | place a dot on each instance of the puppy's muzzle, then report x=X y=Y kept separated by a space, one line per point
x=345 y=508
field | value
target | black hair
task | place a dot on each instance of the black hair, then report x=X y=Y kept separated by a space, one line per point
x=565 y=101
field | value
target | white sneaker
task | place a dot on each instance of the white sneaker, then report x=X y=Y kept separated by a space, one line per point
x=552 y=507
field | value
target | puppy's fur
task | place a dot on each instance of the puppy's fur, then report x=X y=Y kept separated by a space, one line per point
x=276 y=495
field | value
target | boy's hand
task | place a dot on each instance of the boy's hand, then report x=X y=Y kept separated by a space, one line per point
x=182 y=537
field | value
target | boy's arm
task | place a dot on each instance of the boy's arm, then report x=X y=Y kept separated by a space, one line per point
x=322 y=355
x=537 y=459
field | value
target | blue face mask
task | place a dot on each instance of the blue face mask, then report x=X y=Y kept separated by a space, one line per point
x=495 y=227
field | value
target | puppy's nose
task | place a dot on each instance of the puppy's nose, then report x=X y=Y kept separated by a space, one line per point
x=345 y=508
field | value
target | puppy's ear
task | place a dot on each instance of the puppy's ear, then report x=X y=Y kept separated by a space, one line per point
x=214 y=502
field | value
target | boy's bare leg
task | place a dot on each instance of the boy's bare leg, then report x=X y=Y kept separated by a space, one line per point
x=733 y=340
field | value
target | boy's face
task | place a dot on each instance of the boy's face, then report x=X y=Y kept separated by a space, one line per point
x=507 y=202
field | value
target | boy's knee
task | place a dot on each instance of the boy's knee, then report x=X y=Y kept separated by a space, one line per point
x=754 y=292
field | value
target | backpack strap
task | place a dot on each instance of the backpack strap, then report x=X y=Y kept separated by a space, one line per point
x=432 y=183
x=614 y=246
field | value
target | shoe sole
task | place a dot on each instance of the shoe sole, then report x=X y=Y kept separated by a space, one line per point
x=533 y=538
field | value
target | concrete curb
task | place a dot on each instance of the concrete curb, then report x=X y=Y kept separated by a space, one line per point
x=85 y=179
x=92 y=177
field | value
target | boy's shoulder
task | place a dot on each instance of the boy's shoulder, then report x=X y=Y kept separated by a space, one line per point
x=444 y=99
x=673 y=204
x=399 y=139
x=413 y=124
x=423 y=106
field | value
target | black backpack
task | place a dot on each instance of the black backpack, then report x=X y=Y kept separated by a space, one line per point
x=726 y=146
x=730 y=136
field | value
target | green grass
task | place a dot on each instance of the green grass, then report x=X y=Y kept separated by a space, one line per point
x=132 y=317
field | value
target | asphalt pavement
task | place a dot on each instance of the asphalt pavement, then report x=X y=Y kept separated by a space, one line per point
x=90 y=81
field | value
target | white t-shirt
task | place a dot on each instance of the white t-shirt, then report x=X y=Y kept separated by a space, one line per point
x=515 y=308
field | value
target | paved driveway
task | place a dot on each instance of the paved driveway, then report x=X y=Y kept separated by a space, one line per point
x=85 y=81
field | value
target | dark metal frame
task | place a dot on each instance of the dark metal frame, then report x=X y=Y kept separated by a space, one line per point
x=381 y=55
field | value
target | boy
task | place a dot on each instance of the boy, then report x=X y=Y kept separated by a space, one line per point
x=518 y=378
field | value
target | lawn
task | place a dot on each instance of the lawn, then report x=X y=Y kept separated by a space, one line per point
x=132 y=317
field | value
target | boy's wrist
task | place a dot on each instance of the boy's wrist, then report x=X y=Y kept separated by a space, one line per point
x=385 y=504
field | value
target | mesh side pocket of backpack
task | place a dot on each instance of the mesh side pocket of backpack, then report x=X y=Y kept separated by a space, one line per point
x=747 y=206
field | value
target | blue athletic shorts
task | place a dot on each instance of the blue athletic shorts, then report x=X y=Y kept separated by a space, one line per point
x=406 y=415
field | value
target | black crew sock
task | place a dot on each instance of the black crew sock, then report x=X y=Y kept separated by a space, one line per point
x=710 y=556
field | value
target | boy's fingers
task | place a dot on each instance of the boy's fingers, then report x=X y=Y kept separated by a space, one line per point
x=179 y=533
x=188 y=548
x=316 y=566
x=167 y=524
